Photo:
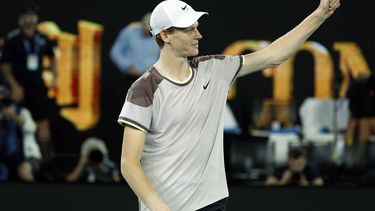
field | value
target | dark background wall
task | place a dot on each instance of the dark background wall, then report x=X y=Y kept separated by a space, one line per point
x=227 y=22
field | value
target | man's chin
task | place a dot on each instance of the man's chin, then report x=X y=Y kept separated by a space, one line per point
x=194 y=53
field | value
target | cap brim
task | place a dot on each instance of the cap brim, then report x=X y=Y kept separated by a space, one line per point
x=188 y=20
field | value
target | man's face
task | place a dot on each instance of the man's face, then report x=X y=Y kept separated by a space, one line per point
x=297 y=164
x=186 y=40
x=28 y=21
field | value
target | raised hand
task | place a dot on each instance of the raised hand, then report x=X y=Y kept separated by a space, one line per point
x=328 y=7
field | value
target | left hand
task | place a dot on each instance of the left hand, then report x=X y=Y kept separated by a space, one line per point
x=83 y=160
x=9 y=112
x=54 y=82
x=303 y=181
x=133 y=71
x=328 y=7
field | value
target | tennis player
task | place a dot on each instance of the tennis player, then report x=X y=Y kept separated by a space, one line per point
x=172 y=154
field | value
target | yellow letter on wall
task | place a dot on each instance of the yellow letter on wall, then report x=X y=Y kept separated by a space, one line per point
x=352 y=62
x=86 y=115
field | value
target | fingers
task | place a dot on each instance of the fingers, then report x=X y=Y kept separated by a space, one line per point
x=333 y=5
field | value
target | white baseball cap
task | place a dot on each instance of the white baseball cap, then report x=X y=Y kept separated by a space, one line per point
x=173 y=13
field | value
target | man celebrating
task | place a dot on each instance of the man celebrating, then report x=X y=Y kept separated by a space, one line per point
x=172 y=154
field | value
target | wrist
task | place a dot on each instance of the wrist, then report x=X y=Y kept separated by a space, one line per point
x=320 y=14
x=156 y=203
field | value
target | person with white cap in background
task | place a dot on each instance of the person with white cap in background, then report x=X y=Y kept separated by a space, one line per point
x=172 y=153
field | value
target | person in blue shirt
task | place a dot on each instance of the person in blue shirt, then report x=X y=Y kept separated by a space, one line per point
x=20 y=156
x=135 y=49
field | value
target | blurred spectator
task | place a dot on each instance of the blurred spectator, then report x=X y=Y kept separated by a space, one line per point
x=94 y=164
x=135 y=49
x=361 y=95
x=19 y=152
x=298 y=172
x=22 y=67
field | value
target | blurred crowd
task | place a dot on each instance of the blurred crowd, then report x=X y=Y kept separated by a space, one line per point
x=27 y=151
x=331 y=140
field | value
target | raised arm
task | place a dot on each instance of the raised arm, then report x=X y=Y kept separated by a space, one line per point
x=132 y=170
x=284 y=47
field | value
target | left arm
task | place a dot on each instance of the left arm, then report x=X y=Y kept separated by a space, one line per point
x=51 y=53
x=318 y=182
x=74 y=175
x=10 y=112
x=285 y=46
x=54 y=70
x=272 y=180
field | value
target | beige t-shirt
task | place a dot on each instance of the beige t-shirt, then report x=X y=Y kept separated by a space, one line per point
x=183 y=153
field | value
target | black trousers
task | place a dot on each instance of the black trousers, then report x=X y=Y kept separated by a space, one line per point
x=216 y=206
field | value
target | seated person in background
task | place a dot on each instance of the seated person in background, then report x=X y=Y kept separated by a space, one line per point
x=297 y=173
x=20 y=156
x=94 y=164
x=361 y=95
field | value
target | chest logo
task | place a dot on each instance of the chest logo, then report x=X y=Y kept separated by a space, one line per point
x=205 y=86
